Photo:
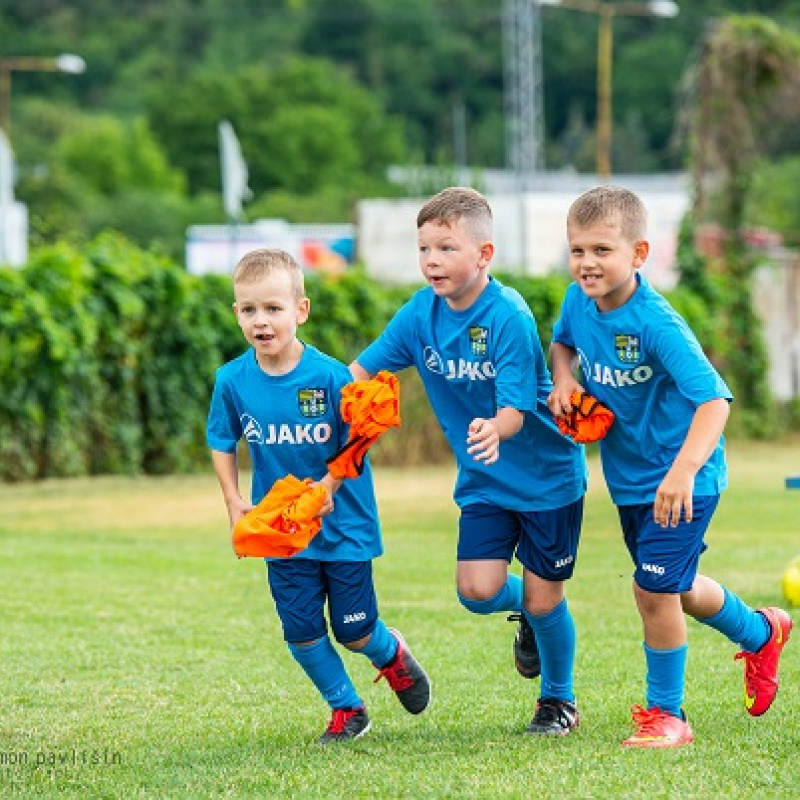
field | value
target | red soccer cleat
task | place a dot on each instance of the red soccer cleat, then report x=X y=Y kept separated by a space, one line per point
x=406 y=677
x=656 y=728
x=346 y=724
x=761 y=668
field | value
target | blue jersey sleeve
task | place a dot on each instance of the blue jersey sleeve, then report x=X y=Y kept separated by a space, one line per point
x=392 y=349
x=683 y=358
x=223 y=427
x=561 y=328
x=519 y=364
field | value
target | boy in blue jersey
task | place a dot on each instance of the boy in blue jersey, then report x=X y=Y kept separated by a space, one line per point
x=663 y=458
x=520 y=484
x=283 y=397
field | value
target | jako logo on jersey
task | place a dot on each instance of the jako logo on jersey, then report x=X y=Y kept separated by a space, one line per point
x=653 y=568
x=612 y=376
x=562 y=562
x=361 y=615
x=251 y=429
x=473 y=370
x=312 y=402
x=478 y=337
x=298 y=434
x=433 y=361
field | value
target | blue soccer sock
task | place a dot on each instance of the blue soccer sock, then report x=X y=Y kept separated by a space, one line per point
x=740 y=623
x=509 y=598
x=556 y=640
x=666 y=677
x=381 y=647
x=324 y=667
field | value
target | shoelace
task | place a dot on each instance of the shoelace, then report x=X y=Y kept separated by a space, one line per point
x=339 y=720
x=396 y=675
x=646 y=720
x=750 y=664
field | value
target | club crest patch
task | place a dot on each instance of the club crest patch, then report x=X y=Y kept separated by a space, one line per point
x=312 y=402
x=627 y=347
x=478 y=336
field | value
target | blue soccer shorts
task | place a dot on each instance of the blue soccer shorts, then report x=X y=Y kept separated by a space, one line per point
x=544 y=542
x=666 y=559
x=301 y=587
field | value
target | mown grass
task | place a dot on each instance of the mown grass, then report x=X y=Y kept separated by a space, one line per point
x=141 y=659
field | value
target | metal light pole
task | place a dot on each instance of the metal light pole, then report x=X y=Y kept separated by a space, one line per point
x=66 y=62
x=605 y=58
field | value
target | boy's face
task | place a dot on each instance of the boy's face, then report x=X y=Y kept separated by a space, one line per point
x=453 y=262
x=603 y=262
x=269 y=314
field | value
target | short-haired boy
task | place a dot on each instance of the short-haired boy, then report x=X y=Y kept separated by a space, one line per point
x=520 y=484
x=663 y=458
x=283 y=397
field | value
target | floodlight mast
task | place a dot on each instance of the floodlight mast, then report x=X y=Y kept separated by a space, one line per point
x=605 y=43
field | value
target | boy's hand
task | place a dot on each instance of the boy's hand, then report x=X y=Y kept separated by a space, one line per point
x=483 y=440
x=237 y=508
x=327 y=506
x=673 y=496
x=559 y=399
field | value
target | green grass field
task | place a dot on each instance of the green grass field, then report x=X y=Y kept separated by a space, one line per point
x=140 y=658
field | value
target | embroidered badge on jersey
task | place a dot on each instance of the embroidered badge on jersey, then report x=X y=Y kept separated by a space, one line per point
x=627 y=347
x=312 y=402
x=478 y=336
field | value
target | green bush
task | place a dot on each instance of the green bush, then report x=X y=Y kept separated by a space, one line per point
x=108 y=355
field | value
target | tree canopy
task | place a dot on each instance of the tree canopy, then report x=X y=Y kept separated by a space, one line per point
x=323 y=96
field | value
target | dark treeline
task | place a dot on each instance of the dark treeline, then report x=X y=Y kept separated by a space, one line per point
x=323 y=95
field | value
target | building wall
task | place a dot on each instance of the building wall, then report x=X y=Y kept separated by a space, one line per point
x=530 y=229
x=777 y=300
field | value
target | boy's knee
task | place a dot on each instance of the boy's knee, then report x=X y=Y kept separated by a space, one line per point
x=477 y=590
x=481 y=604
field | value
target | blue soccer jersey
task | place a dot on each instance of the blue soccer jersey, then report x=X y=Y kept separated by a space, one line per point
x=473 y=363
x=643 y=362
x=292 y=424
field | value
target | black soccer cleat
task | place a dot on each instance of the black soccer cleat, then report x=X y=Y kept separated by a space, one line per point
x=406 y=677
x=526 y=653
x=346 y=724
x=554 y=718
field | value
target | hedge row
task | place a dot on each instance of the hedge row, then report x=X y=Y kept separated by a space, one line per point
x=108 y=354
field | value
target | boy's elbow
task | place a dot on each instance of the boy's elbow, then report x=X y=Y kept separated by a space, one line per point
x=721 y=406
x=717 y=411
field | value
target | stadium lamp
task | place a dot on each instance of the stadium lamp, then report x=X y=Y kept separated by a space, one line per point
x=66 y=62
x=605 y=38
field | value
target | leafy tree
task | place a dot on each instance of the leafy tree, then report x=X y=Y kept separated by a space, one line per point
x=111 y=157
x=743 y=63
x=774 y=199
x=321 y=128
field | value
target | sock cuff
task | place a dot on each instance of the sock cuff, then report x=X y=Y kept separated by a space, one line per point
x=650 y=651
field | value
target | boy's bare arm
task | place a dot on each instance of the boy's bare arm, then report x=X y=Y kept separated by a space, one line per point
x=562 y=360
x=227 y=470
x=675 y=492
x=358 y=372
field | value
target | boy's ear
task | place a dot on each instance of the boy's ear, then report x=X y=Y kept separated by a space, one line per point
x=641 y=250
x=303 y=310
x=235 y=307
x=487 y=253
